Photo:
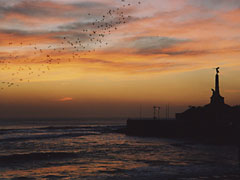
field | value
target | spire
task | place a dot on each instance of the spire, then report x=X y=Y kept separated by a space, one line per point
x=217 y=82
x=216 y=98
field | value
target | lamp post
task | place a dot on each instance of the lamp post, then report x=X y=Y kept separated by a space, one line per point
x=154 y=112
x=158 y=112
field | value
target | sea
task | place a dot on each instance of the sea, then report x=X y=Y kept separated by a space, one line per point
x=92 y=148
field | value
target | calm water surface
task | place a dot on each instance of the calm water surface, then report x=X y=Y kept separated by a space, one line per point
x=91 y=150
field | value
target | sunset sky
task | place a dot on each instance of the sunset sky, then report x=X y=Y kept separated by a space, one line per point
x=106 y=58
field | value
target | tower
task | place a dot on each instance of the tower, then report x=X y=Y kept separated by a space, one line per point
x=216 y=97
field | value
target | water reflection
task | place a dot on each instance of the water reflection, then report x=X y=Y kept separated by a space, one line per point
x=109 y=155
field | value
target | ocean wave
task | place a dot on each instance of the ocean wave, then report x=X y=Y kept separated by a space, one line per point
x=31 y=157
x=23 y=178
x=55 y=128
x=63 y=127
x=45 y=136
x=54 y=132
x=89 y=127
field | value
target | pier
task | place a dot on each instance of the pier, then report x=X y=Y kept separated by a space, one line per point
x=215 y=120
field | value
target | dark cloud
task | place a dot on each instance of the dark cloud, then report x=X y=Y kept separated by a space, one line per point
x=154 y=44
x=93 y=5
x=28 y=8
x=52 y=34
x=45 y=8
x=71 y=35
x=216 y=4
x=18 y=32
x=173 y=53
x=53 y=9
x=90 y=60
x=187 y=52
x=114 y=22
x=74 y=26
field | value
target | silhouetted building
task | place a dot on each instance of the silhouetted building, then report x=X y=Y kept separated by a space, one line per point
x=216 y=113
x=216 y=119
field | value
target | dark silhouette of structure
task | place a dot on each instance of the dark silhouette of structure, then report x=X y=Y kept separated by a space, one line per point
x=216 y=97
x=154 y=112
x=215 y=120
x=158 y=112
x=214 y=114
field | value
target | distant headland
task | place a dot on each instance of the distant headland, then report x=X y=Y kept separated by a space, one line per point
x=215 y=120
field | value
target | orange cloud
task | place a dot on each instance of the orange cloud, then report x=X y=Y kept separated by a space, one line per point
x=65 y=99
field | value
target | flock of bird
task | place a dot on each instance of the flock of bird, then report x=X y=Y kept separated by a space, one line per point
x=91 y=38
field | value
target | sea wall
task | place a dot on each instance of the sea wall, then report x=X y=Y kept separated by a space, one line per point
x=179 y=129
x=166 y=128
